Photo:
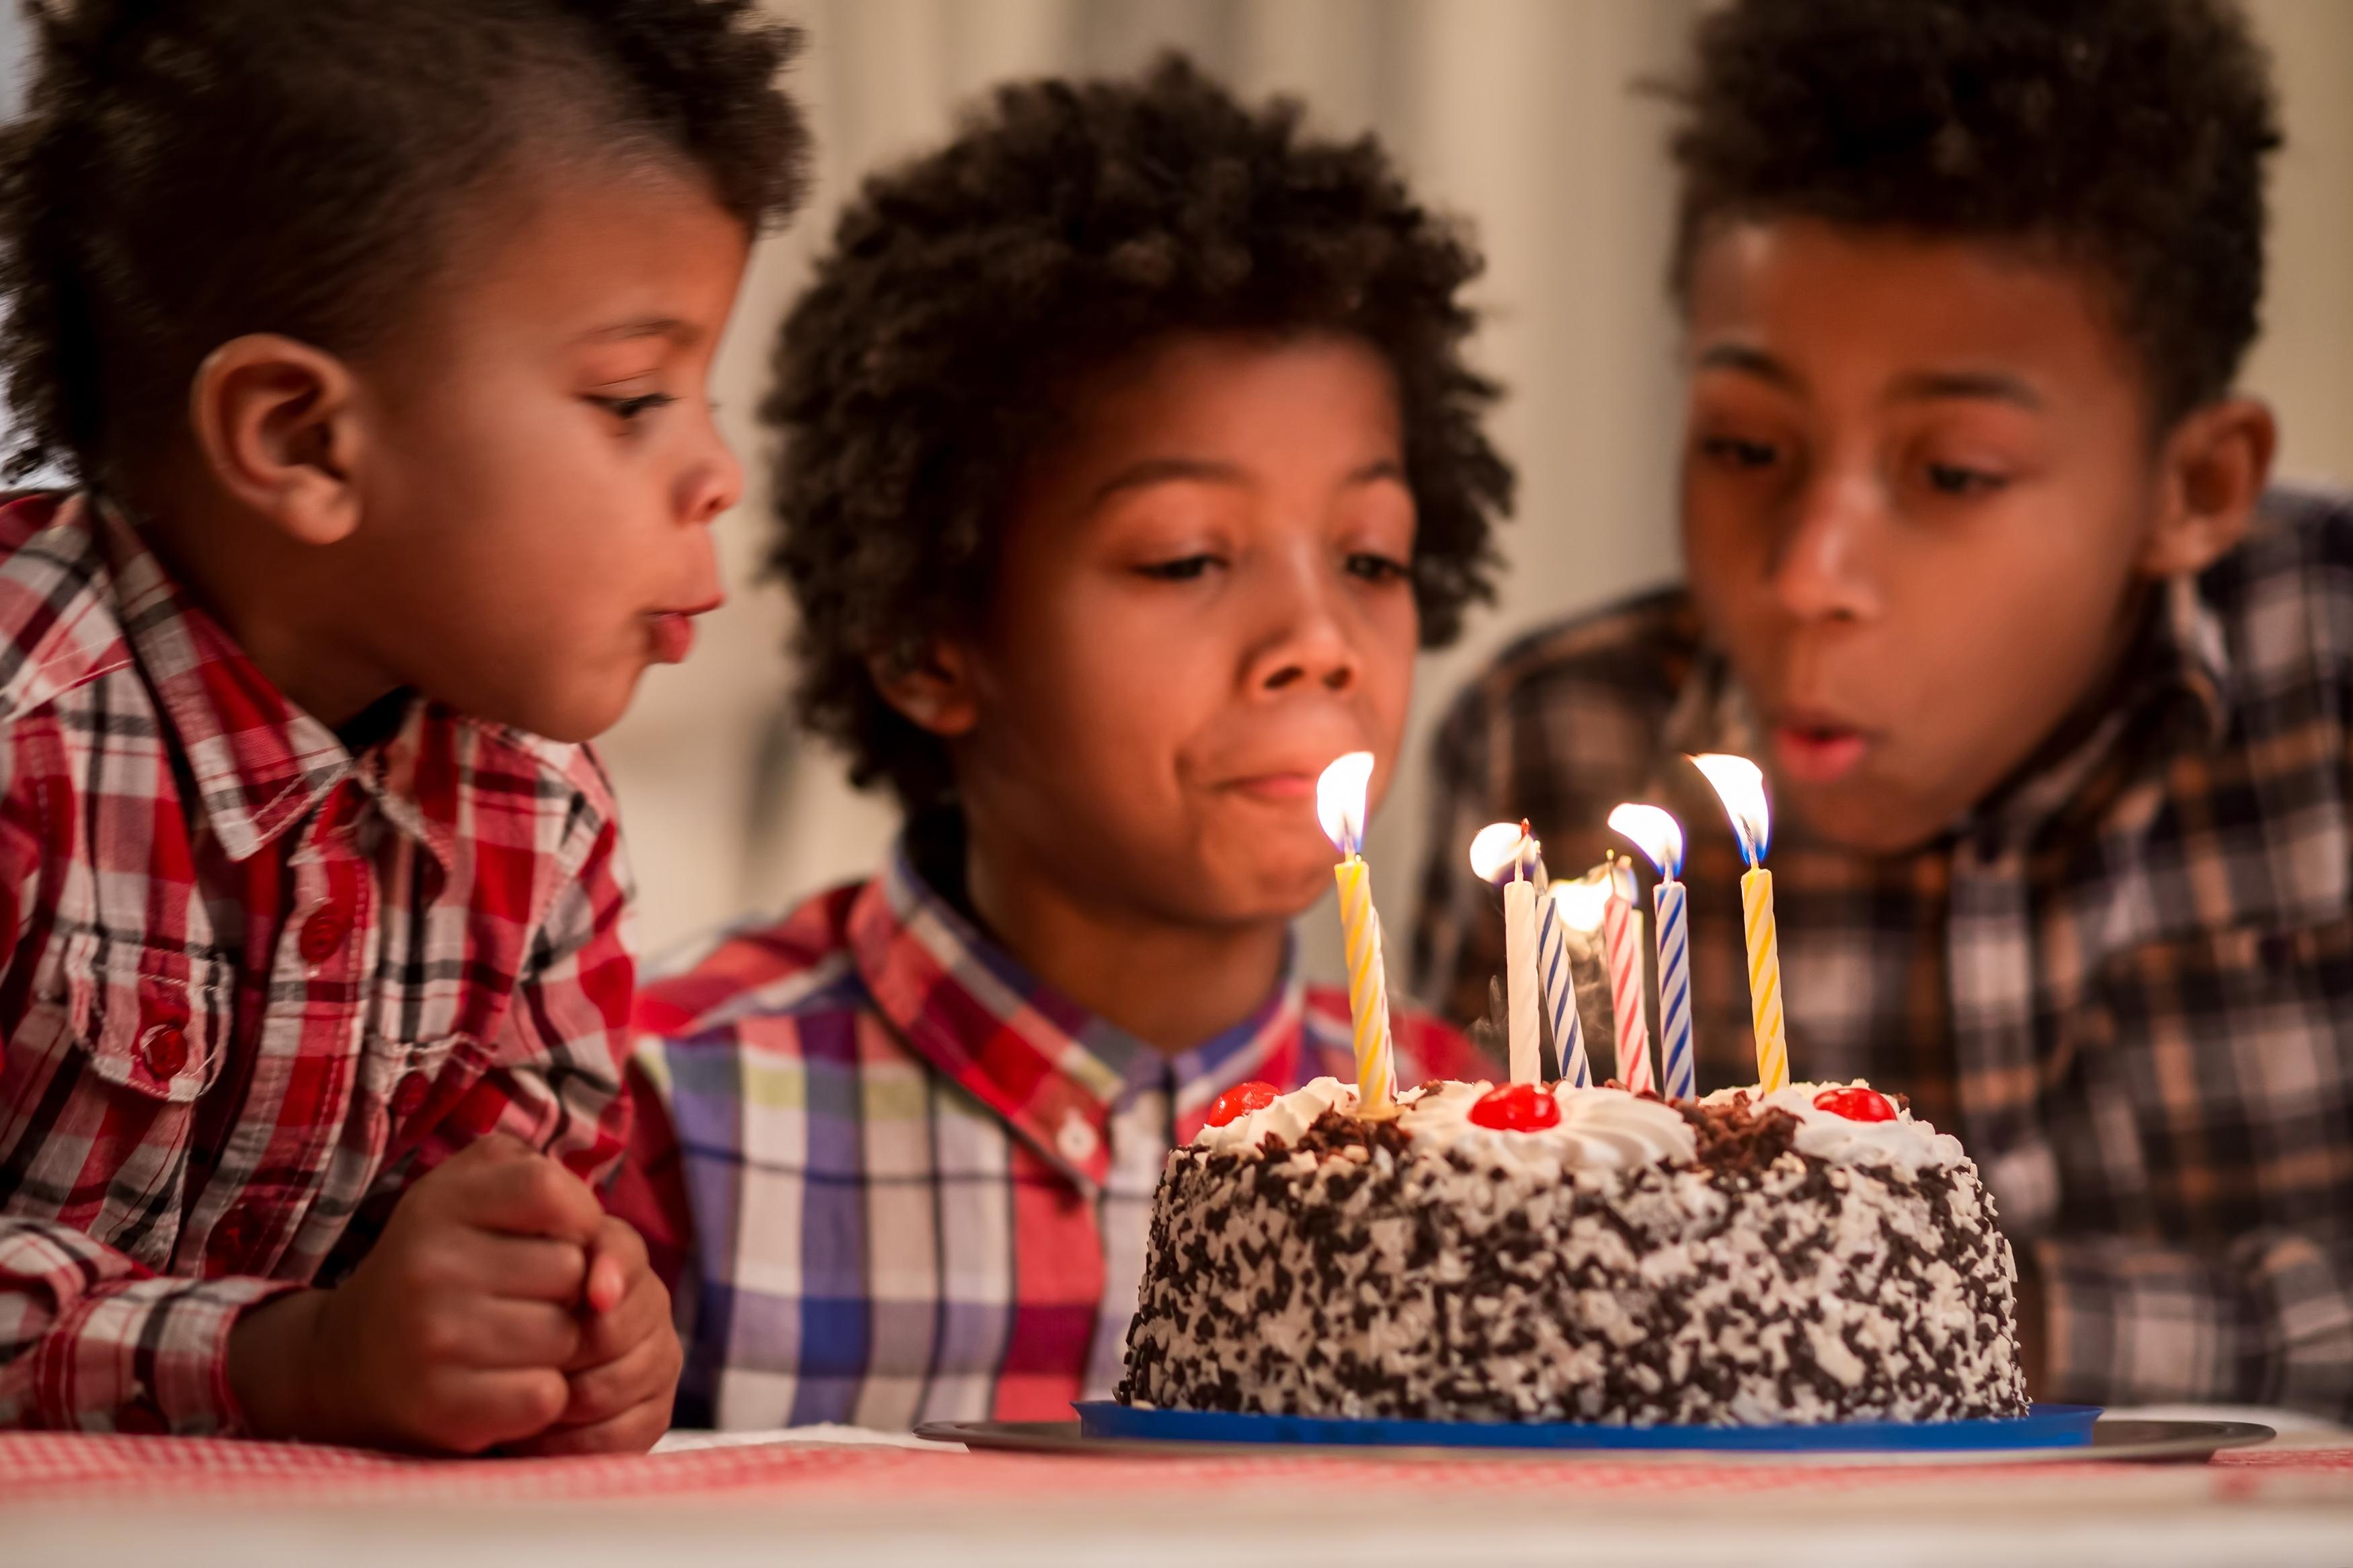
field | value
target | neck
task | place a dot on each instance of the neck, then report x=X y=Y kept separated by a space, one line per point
x=271 y=595
x=1171 y=984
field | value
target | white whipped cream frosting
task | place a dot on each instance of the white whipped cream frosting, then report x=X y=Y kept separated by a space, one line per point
x=1600 y=1129
x=1907 y=1143
x=1288 y=1116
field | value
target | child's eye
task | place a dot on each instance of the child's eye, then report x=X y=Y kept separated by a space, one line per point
x=626 y=409
x=1374 y=568
x=1733 y=451
x=1951 y=479
x=1184 y=569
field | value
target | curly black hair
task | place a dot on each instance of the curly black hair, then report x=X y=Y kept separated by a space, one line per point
x=2126 y=136
x=191 y=171
x=1068 y=227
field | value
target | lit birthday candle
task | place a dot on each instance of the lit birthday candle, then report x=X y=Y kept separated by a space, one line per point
x=1741 y=786
x=1658 y=835
x=1611 y=902
x=1535 y=956
x=1341 y=805
x=1578 y=912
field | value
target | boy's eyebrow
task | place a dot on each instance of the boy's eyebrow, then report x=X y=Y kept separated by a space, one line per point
x=1992 y=384
x=1921 y=387
x=1204 y=470
x=669 y=327
x=1753 y=361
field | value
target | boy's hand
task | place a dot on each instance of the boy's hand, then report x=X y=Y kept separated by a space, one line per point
x=626 y=1375
x=454 y=1333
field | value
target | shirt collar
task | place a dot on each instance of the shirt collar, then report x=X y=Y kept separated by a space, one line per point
x=1054 y=1070
x=258 y=763
x=57 y=630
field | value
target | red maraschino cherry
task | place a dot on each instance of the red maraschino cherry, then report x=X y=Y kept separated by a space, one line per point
x=1516 y=1107
x=1242 y=1100
x=1856 y=1104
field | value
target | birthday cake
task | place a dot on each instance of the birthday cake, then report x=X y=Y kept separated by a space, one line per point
x=1535 y=1254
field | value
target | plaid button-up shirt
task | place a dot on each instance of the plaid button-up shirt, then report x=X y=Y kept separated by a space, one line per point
x=913 y=1183
x=253 y=986
x=2126 y=982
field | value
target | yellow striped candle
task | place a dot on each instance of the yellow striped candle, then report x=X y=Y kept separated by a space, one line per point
x=1368 y=1002
x=1740 y=784
x=1341 y=796
x=1765 y=979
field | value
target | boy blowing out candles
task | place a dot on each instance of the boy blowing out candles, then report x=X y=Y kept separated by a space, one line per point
x=1129 y=459
x=2056 y=697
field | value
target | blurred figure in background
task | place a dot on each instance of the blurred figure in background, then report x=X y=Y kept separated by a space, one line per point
x=1129 y=460
x=2055 y=696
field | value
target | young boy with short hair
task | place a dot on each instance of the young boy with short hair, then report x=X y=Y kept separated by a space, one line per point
x=1130 y=456
x=376 y=335
x=2055 y=699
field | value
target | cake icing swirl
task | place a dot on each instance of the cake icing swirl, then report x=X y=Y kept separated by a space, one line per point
x=1600 y=1129
x=1906 y=1143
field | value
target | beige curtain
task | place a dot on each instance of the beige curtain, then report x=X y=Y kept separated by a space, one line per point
x=1517 y=113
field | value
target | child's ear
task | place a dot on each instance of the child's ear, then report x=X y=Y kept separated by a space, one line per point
x=2214 y=467
x=935 y=692
x=276 y=421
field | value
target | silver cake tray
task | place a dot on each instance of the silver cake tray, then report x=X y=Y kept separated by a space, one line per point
x=2112 y=1440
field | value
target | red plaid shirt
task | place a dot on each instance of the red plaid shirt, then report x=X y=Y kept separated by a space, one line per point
x=253 y=986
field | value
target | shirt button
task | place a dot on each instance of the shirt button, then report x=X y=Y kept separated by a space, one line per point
x=1077 y=1138
x=408 y=1098
x=164 y=1048
x=323 y=933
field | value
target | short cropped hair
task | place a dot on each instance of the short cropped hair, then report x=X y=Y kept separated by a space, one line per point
x=191 y=171
x=2128 y=136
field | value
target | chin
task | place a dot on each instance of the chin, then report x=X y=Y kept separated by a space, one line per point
x=1853 y=821
x=572 y=719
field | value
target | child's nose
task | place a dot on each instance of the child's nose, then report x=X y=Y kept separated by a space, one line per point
x=714 y=483
x=1822 y=570
x=1309 y=645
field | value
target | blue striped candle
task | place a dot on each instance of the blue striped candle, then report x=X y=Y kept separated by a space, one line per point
x=1674 y=990
x=1660 y=837
x=1560 y=996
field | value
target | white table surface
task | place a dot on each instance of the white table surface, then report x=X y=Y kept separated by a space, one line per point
x=2147 y=1516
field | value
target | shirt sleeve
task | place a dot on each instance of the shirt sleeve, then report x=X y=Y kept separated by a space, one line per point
x=91 y=1340
x=2267 y=1321
x=555 y=1078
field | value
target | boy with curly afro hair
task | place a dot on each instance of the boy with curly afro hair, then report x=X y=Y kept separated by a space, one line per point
x=374 y=335
x=1129 y=456
x=2054 y=694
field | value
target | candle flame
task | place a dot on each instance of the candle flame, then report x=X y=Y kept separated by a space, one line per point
x=1654 y=833
x=1497 y=848
x=1583 y=903
x=1740 y=785
x=1617 y=875
x=1340 y=797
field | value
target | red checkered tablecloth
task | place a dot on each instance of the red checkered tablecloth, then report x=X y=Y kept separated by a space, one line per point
x=53 y=1467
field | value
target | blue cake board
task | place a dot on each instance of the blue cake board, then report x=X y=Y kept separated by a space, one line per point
x=2044 y=1426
